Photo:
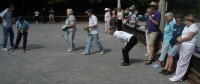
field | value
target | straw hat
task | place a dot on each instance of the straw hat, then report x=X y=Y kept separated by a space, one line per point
x=153 y=3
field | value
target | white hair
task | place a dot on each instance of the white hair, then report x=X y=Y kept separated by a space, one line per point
x=170 y=15
x=148 y=9
x=133 y=6
x=70 y=11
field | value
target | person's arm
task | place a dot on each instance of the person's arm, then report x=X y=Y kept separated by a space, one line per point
x=71 y=24
x=157 y=19
x=95 y=23
x=189 y=37
x=153 y=21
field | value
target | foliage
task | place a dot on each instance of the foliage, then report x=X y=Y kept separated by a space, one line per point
x=29 y=6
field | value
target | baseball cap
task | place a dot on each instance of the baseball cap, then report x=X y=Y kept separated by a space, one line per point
x=89 y=11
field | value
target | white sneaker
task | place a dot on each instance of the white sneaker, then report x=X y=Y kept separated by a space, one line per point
x=102 y=52
x=69 y=50
x=173 y=80
x=4 y=49
x=146 y=54
x=85 y=54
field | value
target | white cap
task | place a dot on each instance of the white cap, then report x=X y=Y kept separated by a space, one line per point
x=106 y=9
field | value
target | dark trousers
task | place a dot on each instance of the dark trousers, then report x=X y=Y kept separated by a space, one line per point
x=128 y=47
x=19 y=36
x=119 y=25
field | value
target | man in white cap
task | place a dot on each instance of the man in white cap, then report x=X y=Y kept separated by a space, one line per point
x=107 y=18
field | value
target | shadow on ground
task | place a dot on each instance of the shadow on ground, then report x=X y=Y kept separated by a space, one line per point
x=132 y=61
x=34 y=46
x=105 y=51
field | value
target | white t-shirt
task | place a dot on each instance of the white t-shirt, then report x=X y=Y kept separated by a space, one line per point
x=107 y=16
x=124 y=37
x=186 y=30
x=93 y=21
x=120 y=15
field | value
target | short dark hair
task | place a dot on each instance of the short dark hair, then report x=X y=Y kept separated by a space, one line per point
x=112 y=29
x=179 y=16
x=10 y=6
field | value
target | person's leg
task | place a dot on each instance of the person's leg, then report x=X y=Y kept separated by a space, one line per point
x=129 y=46
x=96 y=38
x=18 y=39
x=183 y=62
x=147 y=42
x=172 y=52
x=5 y=36
x=53 y=18
x=167 y=62
x=11 y=37
x=108 y=25
x=88 y=44
x=73 y=35
x=66 y=36
x=120 y=25
x=164 y=52
x=50 y=18
x=70 y=42
x=151 y=38
x=25 y=34
x=170 y=64
x=105 y=27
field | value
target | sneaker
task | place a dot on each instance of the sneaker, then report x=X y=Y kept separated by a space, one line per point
x=69 y=50
x=125 y=64
x=174 y=80
x=102 y=52
x=85 y=54
x=156 y=66
x=24 y=50
x=4 y=49
x=12 y=47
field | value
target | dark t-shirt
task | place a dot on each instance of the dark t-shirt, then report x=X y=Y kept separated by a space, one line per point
x=151 y=26
x=176 y=33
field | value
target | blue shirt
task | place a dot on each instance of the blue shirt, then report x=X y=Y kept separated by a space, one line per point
x=7 y=18
x=169 y=27
x=151 y=26
x=133 y=17
x=23 y=25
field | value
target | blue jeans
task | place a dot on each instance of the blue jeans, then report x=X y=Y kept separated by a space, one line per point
x=164 y=51
x=8 y=31
x=89 y=41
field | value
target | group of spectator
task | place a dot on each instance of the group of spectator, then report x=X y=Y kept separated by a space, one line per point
x=41 y=17
x=178 y=38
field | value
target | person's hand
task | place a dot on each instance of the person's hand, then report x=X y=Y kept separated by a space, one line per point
x=150 y=17
x=124 y=47
x=87 y=27
x=179 y=39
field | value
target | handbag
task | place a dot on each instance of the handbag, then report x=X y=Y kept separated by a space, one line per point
x=64 y=28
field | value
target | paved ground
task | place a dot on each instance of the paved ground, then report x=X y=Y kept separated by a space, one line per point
x=47 y=61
